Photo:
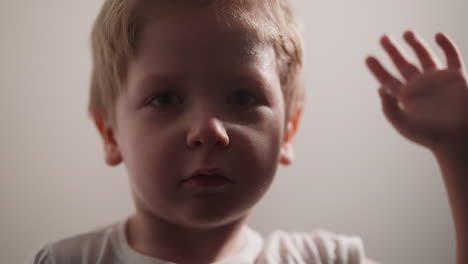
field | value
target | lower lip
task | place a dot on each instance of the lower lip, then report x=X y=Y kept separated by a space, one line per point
x=208 y=182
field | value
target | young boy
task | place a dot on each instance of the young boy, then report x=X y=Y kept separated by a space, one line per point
x=201 y=99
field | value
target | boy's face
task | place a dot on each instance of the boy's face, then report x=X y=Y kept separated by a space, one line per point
x=199 y=96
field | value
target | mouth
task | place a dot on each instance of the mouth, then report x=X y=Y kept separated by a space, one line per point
x=208 y=179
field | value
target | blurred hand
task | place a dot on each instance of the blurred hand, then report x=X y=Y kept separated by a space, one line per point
x=430 y=106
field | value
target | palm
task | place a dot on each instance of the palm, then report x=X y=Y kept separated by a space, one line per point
x=431 y=107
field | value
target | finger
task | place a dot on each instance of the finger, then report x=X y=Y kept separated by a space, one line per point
x=392 y=111
x=452 y=55
x=407 y=69
x=391 y=107
x=424 y=54
x=387 y=80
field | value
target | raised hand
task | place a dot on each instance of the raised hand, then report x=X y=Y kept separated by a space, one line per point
x=430 y=105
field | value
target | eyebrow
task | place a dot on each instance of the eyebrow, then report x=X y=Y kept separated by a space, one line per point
x=157 y=79
x=152 y=80
x=250 y=80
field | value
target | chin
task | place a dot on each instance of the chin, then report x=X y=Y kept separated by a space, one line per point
x=214 y=218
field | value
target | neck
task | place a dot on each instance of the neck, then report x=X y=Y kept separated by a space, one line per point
x=158 y=238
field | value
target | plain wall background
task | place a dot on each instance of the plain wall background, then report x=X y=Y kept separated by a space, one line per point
x=353 y=173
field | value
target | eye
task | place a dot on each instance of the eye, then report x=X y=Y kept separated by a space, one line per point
x=243 y=98
x=165 y=99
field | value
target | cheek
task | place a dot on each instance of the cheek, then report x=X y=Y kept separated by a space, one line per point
x=253 y=159
x=259 y=145
x=151 y=155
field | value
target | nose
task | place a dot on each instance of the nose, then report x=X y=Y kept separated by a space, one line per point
x=207 y=131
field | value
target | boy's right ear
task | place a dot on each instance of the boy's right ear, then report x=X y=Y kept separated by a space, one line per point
x=112 y=153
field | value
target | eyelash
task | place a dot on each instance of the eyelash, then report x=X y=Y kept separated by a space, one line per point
x=252 y=102
x=165 y=94
x=251 y=96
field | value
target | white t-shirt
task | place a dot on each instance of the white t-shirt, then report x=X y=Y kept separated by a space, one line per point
x=108 y=245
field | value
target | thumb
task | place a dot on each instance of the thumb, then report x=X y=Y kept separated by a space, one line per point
x=391 y=109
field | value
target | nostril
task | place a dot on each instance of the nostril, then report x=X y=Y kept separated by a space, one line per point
x=207 y=134
x=196 y=143
x=223 y=141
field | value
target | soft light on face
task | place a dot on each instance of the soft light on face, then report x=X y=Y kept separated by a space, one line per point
x=199 y=96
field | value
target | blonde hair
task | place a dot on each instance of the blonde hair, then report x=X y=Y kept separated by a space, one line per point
x=115 y=34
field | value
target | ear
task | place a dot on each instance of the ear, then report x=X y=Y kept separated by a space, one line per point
x=287 y=152
x=112 y=153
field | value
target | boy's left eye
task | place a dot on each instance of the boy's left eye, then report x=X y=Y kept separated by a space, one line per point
x=243 y=98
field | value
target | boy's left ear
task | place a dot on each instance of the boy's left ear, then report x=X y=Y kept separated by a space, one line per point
x=287 y=152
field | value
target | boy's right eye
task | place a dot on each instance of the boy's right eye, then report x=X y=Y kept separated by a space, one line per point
x=165 y=99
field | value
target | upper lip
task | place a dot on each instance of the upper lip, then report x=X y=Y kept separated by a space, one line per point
x=209 y=171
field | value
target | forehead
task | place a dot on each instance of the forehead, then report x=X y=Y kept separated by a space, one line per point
x=196 y=27
x=195 y=41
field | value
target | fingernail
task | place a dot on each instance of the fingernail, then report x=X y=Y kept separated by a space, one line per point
x=388 y=91
x=401 y=106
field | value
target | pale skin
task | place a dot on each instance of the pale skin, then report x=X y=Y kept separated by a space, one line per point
x=434 y=114
x=430 y=107
x=198 y=94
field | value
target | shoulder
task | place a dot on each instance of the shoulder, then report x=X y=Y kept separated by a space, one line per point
x=83 y=248
x=320 y=246
x=40 y=256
